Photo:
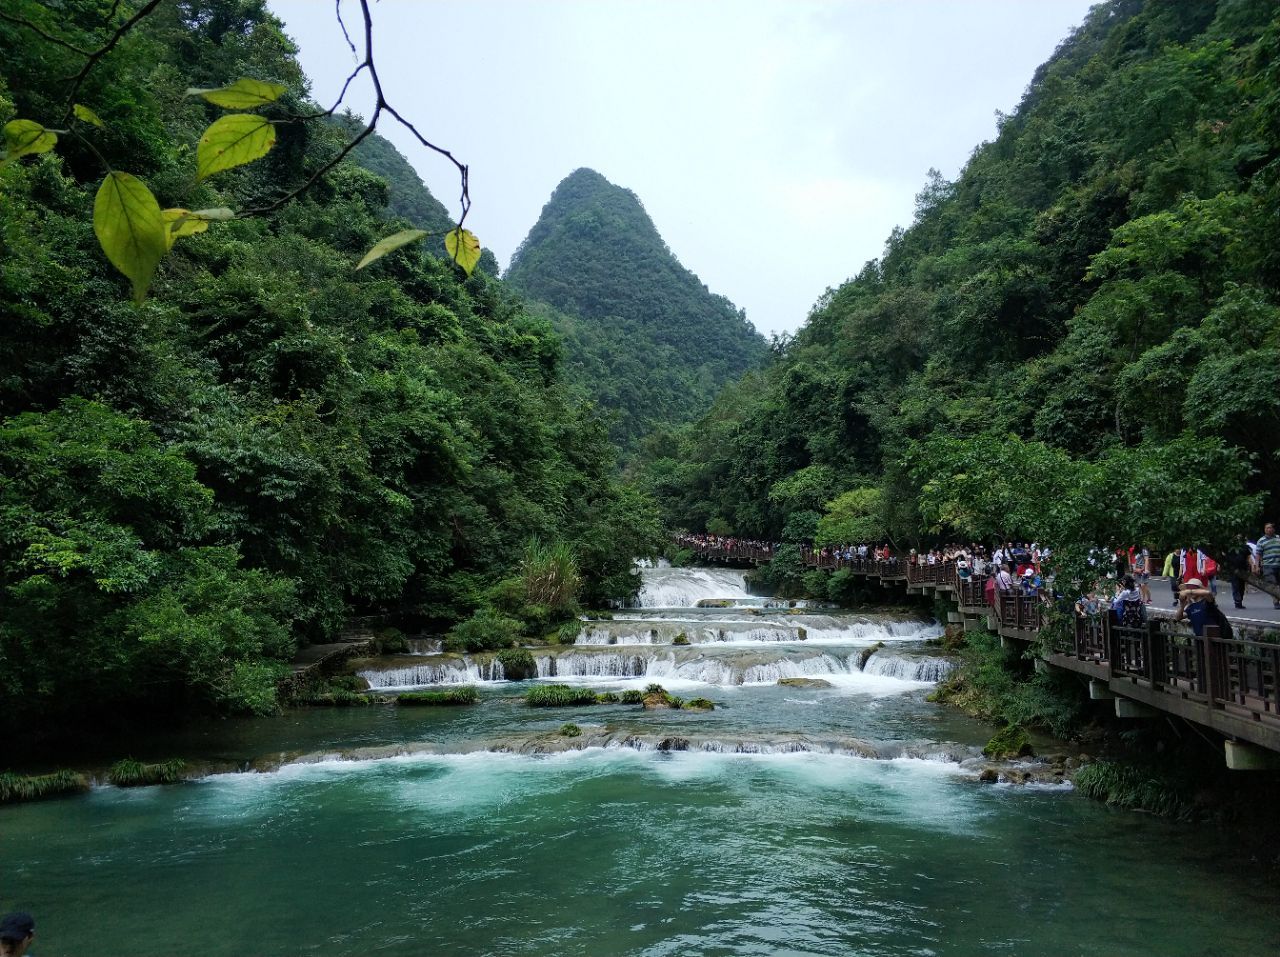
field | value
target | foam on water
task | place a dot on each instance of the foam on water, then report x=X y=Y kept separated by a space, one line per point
x=685 y=587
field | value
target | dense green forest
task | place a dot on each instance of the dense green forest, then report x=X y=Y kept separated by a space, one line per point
x=1077 y=341
x=272 y=441
x=644 y=338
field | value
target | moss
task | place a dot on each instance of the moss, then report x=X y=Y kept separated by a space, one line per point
x=467 y=694
x=680 y=639
x=570 y=730
x=132 y=774
x=715 y=603
x=558 y=696
x=699 y=704
x=21 y=787
x=517 y=664
x=1009 y=742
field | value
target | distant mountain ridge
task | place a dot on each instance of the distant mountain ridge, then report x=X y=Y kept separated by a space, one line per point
x=644 y=336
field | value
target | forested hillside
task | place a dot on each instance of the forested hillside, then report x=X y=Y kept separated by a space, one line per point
x=643 y=336
x=272 y=441
x=1078 y=340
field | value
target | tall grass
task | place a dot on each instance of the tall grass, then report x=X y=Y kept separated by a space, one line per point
x=21 y=787
x=558 y=696
x=551 y=577
x=452 y=697
x=133 y=774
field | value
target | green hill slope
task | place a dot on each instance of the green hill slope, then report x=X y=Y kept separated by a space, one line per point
x=1079 y=338
x=644 y=337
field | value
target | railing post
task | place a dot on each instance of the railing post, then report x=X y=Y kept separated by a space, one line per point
x=1210 y=664
x=1111 y=642
x=1157 y=654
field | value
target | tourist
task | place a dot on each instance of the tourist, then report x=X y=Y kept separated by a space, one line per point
x=1171 y=572
x=1128 y=606
x=17 y=930
x=1196 y=604
x=1140 y=567
x=1269 y=558
x=1238 y=559
x=1004 y=580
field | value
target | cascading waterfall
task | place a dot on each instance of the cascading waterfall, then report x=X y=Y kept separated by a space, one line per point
x=685 y=587
x=453 y=671
x=908 y=667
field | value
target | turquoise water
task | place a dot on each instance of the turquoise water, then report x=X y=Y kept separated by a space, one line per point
x=877 y=839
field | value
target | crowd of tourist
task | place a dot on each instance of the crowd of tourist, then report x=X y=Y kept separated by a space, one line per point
x=1121 y=587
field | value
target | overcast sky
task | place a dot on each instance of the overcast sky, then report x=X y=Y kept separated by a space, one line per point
x=775 y=143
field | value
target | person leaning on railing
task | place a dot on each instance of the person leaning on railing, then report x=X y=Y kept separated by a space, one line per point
x=1196 y=604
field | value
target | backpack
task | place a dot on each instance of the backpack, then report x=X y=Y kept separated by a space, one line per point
x=1219 y=618
x=1133 y=613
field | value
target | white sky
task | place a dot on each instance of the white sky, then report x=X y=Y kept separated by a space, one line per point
x=775 y=143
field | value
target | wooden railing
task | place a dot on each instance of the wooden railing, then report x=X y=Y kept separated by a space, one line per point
x=1227 y=676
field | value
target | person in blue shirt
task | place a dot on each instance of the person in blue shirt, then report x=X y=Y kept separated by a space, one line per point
x=1196 y=604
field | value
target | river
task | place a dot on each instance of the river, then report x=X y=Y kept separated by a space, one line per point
x=791 y=820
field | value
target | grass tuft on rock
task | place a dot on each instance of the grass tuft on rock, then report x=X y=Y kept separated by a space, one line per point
x=558 y=696
x=467 y=694
x=631 y=696
x=129 y=773
x=1134 y=787
x=570 y=730
x=518 y=664
x=699 y=704
x=22 y=787
x=1008 y=743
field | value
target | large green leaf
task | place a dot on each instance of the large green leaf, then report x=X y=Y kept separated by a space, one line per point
x=24 y=137
x=243 y=94
x=233 y=141
x=87 y=115
x=181 y=222
x=130 y=228
x=391 y=243
x=463 y=247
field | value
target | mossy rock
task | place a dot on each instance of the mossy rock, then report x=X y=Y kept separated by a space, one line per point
x=631 y=696
x=673 y=744
x=1009 y=742
x=518 y=664
x=607 y=697
x=391 y=641
x=656 y=698
x=699 y=704
x=802 y=633
x=867 y=652
x=680 y=639
x=805 y=682
x=570 y=730
x=715 y=603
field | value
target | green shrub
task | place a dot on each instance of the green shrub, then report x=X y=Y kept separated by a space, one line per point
x=390 y=641
x=558 y=696
x=570 y=730
x=700 y=704
x=607 y=697
x=21 y=787
x=631 y=696
x=518 y=664
x=567 y=634
x=598 y=615
x=680 y=639
x=486 y=630
x=129 y=773
x=467 y=694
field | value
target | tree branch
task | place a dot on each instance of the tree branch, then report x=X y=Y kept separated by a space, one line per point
x=102 y=51
x=48 y=36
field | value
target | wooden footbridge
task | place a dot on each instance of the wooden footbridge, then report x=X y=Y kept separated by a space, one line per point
x=1231 y=685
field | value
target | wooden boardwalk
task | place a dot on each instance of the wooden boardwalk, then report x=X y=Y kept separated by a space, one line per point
x=1229 y=685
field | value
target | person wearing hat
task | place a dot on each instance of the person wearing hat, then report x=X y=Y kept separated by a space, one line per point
x=17 y=930
x=1197 y=605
